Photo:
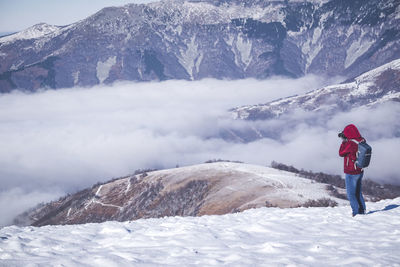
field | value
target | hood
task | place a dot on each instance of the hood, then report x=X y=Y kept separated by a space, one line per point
x=351 y=132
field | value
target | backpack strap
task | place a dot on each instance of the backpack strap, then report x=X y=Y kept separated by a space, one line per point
x=357 y=142
x=354 y=161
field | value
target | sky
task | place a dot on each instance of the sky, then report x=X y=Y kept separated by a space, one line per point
x=17 y=15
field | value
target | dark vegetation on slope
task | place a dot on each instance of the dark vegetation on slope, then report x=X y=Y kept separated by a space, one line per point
x=375 y=190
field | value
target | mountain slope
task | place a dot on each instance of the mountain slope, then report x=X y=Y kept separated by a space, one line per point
x=369 y=89
x=257 y=237
x=376 y=89
x=214 y=188
x=198 y=39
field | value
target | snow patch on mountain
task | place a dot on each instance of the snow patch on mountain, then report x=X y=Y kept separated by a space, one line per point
x=397 y=13
x=75 y=75
x=243 y=48
x=312 y=47
x=104 y=67
x=16 y=65
x=191 y=58
x=358 y=48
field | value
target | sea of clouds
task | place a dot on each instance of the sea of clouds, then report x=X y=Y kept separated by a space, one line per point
x=59 y=141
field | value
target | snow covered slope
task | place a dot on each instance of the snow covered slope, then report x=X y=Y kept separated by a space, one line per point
x=256 y=237
x=206 y=189
x=371 y=88
x=34 y=32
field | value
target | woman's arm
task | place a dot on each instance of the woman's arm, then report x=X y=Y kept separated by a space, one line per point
x=344 y=149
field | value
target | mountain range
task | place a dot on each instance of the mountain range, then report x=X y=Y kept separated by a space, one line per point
x=198 y=39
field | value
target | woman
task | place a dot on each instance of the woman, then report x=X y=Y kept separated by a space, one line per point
x=351 y=136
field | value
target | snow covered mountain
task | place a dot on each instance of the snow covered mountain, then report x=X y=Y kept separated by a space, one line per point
x=197 y=39
x=369 y=89
x=34 y=32
x=256 y=237
x=206 y=189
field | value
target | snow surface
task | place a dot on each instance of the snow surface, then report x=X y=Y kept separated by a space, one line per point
x=33 y=32
x=367 y=80
x=260 y=237
x=372 y=74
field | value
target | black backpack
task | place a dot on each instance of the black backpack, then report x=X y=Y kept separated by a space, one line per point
x=363 y=154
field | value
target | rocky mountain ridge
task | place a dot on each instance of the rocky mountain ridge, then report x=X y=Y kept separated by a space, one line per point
x=198 y=39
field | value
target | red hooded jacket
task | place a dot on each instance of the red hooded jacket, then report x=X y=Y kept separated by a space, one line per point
x=349 y=149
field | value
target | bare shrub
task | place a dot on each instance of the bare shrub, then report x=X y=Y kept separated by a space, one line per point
x=322 y=202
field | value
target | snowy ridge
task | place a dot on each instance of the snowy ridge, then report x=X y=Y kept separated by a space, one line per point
x=34 y=32
x=257 y=237
x=373 y=74
x=208 y=13
x=283 y=188
x=371 y=88
x=205 y=189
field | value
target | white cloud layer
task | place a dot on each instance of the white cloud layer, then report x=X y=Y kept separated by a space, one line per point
x=72 y=138
x=16 y=200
